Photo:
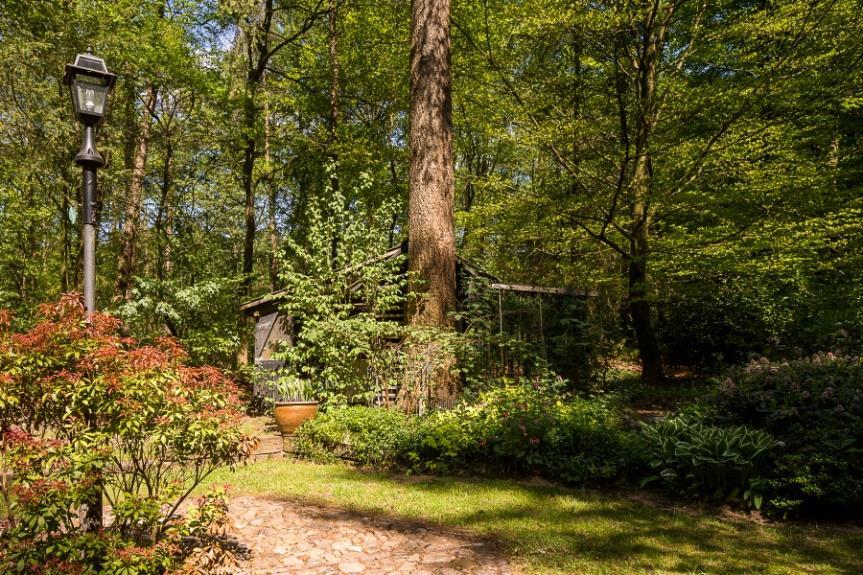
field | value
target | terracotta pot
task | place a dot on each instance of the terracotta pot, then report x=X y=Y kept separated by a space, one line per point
x=290 y=415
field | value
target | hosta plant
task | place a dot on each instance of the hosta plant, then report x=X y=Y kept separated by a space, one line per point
x=716 y=461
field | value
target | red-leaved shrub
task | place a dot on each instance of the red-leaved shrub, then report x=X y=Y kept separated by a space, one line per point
x=86 y=412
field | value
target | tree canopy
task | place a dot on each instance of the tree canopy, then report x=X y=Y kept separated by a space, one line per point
x=697 y=162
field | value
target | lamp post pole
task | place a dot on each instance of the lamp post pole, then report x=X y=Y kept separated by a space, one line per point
x=90 y=514
x=90 y=84
x=90 y=161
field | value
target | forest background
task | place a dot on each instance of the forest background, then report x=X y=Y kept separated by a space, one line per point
x=702 y=158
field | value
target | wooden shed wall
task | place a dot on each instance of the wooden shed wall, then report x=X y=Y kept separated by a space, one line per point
x=272 y=328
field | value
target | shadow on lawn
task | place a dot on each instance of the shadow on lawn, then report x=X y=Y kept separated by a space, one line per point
x=586 y=531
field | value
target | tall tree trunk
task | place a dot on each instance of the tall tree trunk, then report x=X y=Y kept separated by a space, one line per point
x=273 y=226
x=164 y=216
x=257 y=55
x=127 y=259
x=577 y=47
x=65 y=249
x=652 y=370
x=431 y=240
x=27 y=245
x=248 y=174
x=639 y=302
x=333 y=32
x=335 y=111
x=272 y=197
x=430 y=210
x=396 y=183
x=259 y=52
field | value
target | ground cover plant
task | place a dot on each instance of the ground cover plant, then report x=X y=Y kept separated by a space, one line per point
x=722 y=462
x=548 y=530
x=87 y=413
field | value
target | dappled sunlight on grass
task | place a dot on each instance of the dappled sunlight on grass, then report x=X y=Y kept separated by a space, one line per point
x=553 y=530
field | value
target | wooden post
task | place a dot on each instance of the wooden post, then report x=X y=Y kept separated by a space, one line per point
x=542 y=331
x=500 y=319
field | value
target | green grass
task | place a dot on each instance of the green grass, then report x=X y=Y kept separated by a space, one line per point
x=550 y=530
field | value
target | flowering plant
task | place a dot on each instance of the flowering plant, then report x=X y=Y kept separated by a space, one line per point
x=815 y=406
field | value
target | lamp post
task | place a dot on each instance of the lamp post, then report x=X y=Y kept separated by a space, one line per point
x=90 y=84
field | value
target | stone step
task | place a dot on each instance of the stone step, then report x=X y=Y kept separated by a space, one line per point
x=269 y=447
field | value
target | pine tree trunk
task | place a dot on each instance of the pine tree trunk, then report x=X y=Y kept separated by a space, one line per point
x=430 y=211
x=431 y=242
x=128 y=246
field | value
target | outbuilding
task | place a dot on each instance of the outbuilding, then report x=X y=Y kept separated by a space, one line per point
x=548 y=320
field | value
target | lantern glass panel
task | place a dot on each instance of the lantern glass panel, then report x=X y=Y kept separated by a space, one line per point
x=90 y=95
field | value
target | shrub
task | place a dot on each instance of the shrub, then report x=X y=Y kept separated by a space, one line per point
x=815 y=406
x=444 y=442
x=339 y=300
x=200 y=316
x=692 y=457
x=87 y=413
x=369 y=436
x=536 y=429
x=512 y=429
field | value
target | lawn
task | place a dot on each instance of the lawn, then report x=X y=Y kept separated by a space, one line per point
x=552 y=530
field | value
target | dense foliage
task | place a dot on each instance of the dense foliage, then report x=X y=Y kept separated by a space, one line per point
x=815 y=407
x=782 y=437
x=786 y=437
x=338 y=294
x=692 y=169
x=512 y=429
x=86 y=413
x=370 y=436
x=751 y=133
x=194 y=315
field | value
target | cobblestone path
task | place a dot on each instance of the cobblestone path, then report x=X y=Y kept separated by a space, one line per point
x=289 y=538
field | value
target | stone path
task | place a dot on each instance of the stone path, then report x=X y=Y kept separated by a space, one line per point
x=290 y=538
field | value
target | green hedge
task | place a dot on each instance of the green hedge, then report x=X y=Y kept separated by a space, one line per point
x=369 y=436
x=517 y=430
x=787 y=434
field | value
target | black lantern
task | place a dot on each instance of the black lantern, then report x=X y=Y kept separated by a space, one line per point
x=90 y=83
